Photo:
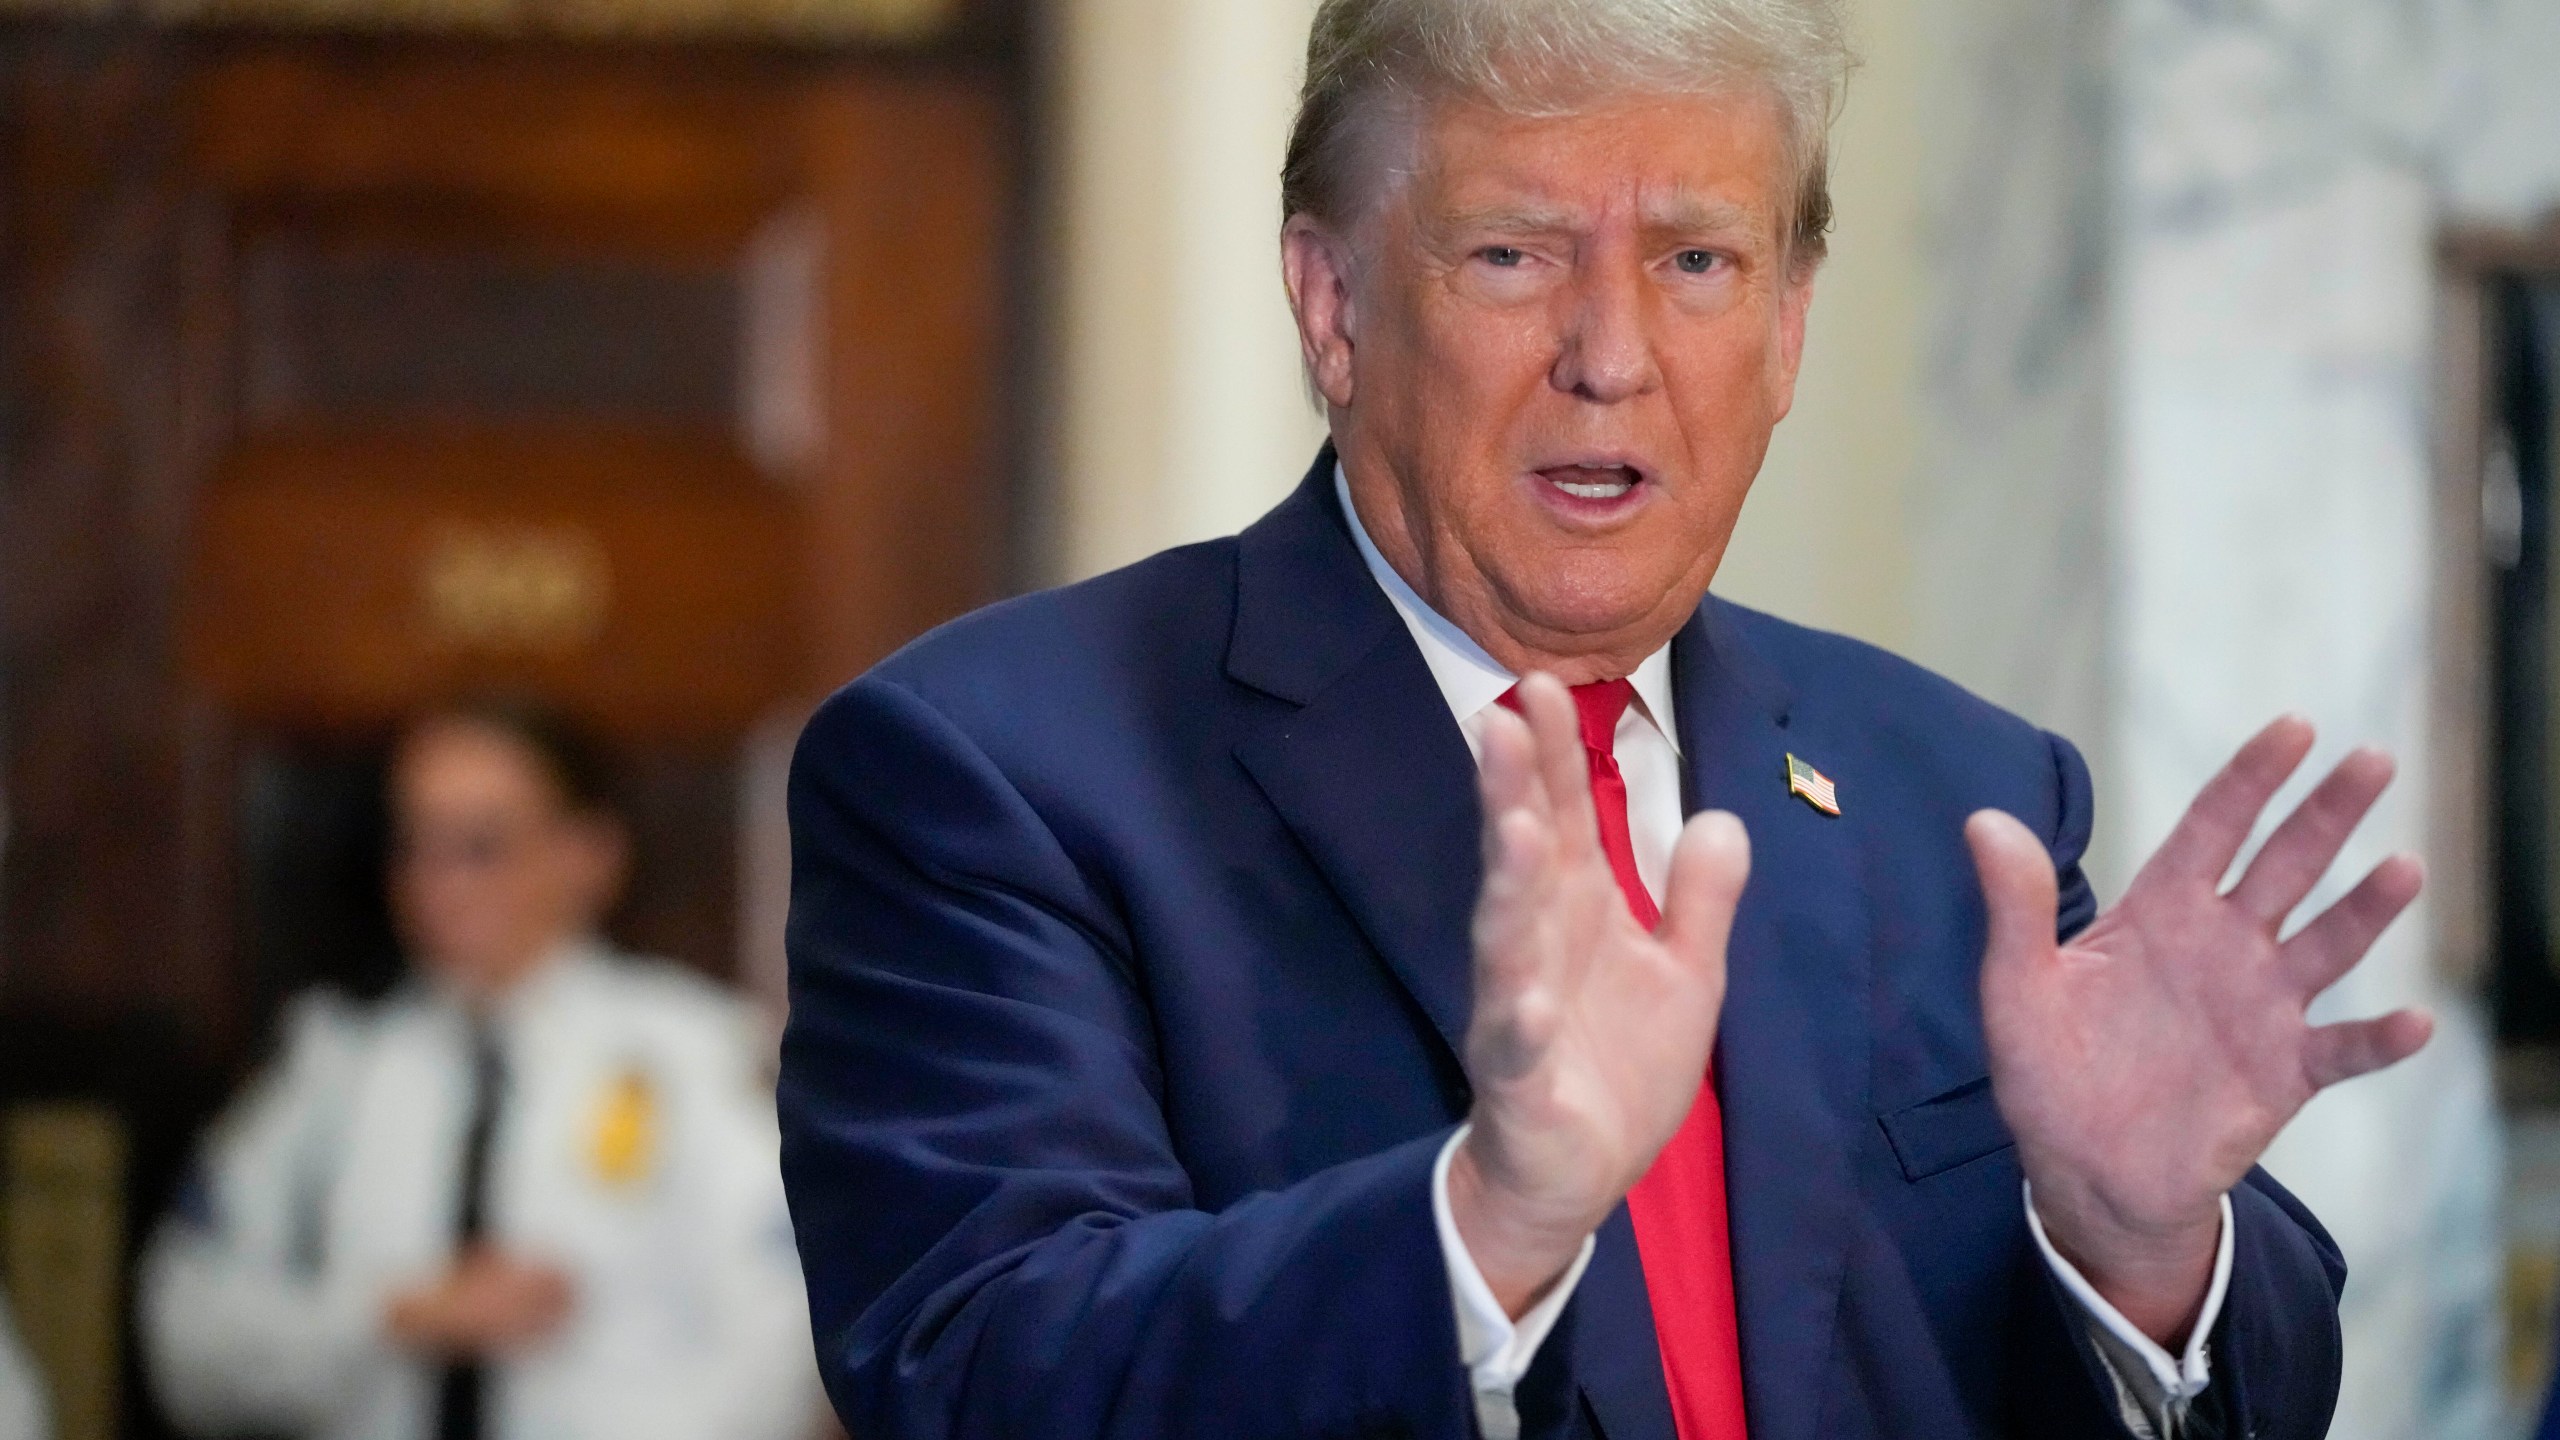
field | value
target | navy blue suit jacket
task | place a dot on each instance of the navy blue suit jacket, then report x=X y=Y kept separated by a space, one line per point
x=1129 y=968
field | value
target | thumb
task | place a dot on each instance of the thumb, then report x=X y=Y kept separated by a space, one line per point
x=1708 y=868
x=2018 y=892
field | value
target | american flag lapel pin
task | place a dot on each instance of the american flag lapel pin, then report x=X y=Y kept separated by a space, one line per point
x=1813 y=785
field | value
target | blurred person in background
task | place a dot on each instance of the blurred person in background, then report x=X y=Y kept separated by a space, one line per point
x=23 y=1410
x=533 y=1194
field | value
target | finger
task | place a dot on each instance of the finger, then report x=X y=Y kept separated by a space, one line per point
x=2359 y=1047
x=2302 y=848
x=1510 y=780
x=2018 y=897
x=1518 y=885
x=2208 y=837
x=1516 y=1005
x=1507 y=778
x=1709 y=866
x=2327 y=948
x=1562 y=763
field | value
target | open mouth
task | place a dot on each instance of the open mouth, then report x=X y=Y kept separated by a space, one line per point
x=1594 y=482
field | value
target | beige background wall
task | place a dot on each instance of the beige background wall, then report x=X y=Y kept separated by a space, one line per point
x=1824 y=538
x=1177 y=409
x=1177 y=412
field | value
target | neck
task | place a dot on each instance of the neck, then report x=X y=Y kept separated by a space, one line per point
x=485 y=987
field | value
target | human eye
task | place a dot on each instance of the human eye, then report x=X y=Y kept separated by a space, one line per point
x=1696 y=261
x=1503 y=257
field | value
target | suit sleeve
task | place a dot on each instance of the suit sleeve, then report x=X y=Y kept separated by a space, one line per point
x=2275 y=1348
x=999 y=1236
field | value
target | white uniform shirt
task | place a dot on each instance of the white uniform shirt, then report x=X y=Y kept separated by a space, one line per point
x=635 y=1150
x=2152 y=1387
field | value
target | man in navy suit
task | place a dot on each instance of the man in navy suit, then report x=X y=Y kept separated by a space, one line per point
x=1424 y=967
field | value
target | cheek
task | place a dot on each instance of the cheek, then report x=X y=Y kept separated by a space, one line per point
x=1725 y=387
x=1464 y=350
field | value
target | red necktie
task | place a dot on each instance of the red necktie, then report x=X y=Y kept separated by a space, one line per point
x=1679 y=1206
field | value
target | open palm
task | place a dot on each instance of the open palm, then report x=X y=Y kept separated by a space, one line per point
x=2145 y=1066
x=1591 y=1036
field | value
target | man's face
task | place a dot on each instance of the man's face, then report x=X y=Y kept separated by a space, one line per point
x=1553 y=359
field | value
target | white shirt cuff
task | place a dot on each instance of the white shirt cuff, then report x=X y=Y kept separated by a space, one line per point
x=2172 y=1383
x=1495 y=1348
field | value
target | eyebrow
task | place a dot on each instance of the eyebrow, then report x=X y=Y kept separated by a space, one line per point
x=1680 y=212
x=1688 y=212
x=1534 y=218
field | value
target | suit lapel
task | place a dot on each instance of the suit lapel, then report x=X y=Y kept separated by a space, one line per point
x=1791 y=1049
x=1390 y=821
x=1370 y=773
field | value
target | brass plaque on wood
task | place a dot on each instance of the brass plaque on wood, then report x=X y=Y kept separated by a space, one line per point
x=644 y=581
x=62 y=1246
x=511 y=588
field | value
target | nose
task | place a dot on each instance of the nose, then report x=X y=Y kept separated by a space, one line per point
x=1607 y=354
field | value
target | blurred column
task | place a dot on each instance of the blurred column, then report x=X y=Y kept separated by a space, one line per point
x=2180 y=383
x=1825 y=538
x=2275 y=551
x=1177 y=405
x=2010 y=567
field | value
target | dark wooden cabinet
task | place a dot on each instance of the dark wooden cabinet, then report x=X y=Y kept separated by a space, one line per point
x=343 y=376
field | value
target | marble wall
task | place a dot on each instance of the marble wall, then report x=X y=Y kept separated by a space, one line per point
x=2007 y=498
x=2184 y=366
x=2499 y=155
x=2273 y=551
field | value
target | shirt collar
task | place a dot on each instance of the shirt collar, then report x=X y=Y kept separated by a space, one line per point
x=563 y=965
x=1470 y=679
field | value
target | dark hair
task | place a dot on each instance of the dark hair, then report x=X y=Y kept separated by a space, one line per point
x=568 y=755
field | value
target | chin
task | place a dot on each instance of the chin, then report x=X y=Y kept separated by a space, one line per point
x=1579 y=592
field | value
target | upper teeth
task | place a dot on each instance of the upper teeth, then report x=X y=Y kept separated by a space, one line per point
x=1596 y=490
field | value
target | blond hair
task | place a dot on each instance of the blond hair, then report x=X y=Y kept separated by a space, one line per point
x=1542 y=57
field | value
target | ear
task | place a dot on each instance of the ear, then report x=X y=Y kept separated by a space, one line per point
x=1316 y=266
x=1795 y=300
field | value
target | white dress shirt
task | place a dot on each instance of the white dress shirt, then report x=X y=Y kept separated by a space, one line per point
x=2153 y=1389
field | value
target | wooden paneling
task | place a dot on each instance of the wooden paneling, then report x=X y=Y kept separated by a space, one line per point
x=112 y=893
x=905 y=529
x=643 y=153
x=829 y=22
x=676 y=577
x=349 y=579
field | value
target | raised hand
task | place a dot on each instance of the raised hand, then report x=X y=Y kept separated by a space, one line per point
x=2145 y=1066
x=1590 y=1037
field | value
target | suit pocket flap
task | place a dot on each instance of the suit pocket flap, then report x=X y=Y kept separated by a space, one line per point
x=1942 y=1133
